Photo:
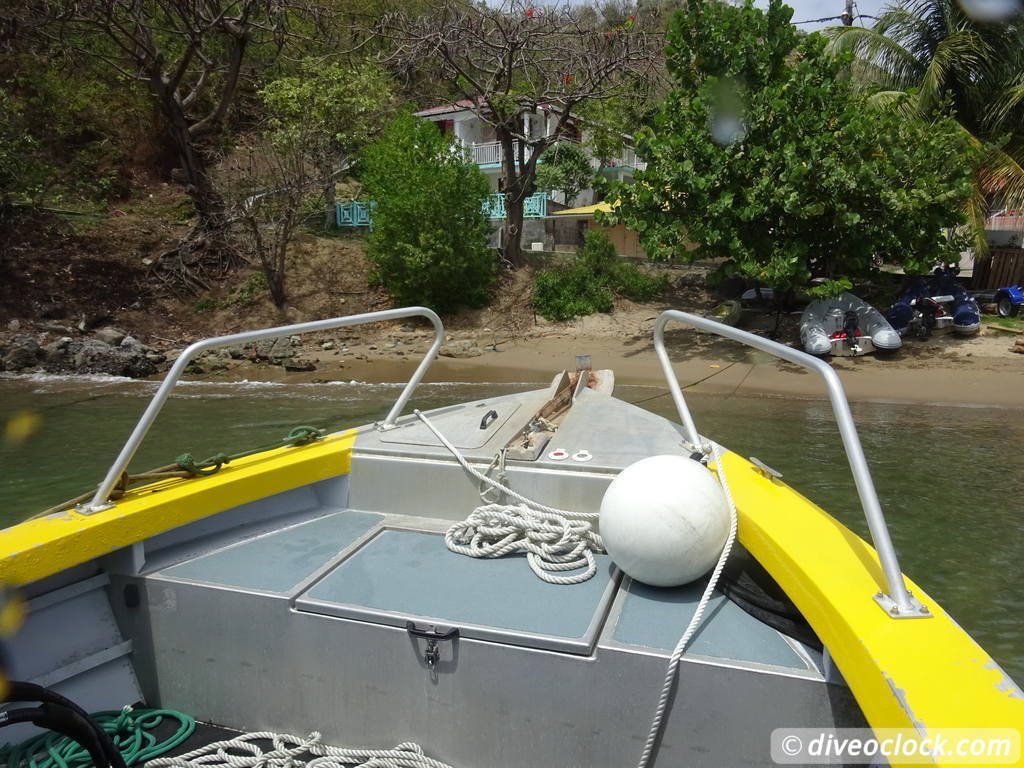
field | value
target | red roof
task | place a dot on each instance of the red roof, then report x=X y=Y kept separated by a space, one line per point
x=456 y=107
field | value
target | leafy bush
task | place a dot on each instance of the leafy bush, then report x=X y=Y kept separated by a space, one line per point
x=429 y=239
x=567 y=292
x=765 y=156
x=590 y=282
x=636 y=286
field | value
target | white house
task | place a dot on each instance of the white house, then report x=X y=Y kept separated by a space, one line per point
x=460 y=120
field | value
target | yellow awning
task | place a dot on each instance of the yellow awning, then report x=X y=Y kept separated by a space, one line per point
x=587 y=210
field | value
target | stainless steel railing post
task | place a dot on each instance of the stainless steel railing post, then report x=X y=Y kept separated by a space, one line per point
x=100 y=500
x=898 y=602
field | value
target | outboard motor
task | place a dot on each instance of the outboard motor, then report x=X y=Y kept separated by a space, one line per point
x=851 y=329
x=928 y=310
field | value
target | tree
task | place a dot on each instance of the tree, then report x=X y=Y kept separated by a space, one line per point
x=429 y=238
x=566 y=169
x=339 y=110
x=191 y=56
x=765 y=157
x=921 y=54
x=272 y=180
x=508 y=61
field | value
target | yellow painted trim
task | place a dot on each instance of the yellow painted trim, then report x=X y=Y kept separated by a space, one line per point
x=903 y=672
x=39 y=548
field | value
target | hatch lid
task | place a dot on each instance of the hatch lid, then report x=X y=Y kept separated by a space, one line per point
x=401 y=575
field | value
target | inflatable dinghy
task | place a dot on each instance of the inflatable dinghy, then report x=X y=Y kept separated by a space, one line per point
x=845 y=325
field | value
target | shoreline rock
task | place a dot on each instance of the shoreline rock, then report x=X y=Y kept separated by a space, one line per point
x=66 y=355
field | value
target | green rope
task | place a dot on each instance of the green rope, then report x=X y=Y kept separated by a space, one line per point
x=302 y=435
x=130 y=730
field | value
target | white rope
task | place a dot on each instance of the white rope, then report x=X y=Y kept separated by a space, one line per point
x=552 y=543
x=677 y=654
x=554 y=540
x=295 y=752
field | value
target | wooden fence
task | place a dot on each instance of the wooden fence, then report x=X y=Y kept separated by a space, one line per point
x=1004 y=266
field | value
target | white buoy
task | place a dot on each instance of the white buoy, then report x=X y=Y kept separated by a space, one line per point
x=664 y=520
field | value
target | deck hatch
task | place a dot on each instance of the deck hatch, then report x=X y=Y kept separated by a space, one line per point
x=278 y=561
x=655 y=617
x=400 y=576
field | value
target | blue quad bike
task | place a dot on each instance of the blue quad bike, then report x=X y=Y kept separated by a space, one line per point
x=1008 y=300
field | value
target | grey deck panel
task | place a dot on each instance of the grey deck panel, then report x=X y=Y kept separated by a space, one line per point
x=596 y=423
x=278 y=561
x=656 y=617
x=460 y=424
x=412 y=575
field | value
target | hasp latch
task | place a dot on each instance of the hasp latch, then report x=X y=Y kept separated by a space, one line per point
x=432 y=655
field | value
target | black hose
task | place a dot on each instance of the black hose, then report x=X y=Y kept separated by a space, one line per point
x=62 y=715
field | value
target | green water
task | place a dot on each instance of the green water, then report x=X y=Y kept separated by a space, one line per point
x=951 y=480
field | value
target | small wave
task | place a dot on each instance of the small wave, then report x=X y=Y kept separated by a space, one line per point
x=59 y=378
x=242 y=383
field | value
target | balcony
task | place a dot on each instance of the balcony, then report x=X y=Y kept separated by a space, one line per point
x=356 y=214
x=628 y=159
x=490 y=153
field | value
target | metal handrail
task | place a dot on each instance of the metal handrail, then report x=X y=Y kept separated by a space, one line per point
x=899 y=602
x=100 y=500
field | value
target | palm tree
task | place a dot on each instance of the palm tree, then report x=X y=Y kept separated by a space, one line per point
x=922 y=55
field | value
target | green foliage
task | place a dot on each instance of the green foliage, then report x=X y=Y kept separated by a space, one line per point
x=921 y=54
x=346 y=107
x=565 y=293
x=590 y=282
x=564 y=168
x=765 y=157
x=184 y=209
x=76 y=124
x=429 y=239
x=23 y=175
x=242 y=295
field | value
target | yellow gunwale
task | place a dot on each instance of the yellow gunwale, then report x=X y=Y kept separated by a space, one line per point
x=38 y=548
x=905 y=673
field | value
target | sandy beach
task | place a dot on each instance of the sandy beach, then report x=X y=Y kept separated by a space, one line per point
x=946 y=369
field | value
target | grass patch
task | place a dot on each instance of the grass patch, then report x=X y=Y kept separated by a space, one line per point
x=243 y=294
x=1013 y=323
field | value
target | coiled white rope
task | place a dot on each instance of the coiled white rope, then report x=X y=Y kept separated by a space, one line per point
x=295 y=752
x=554 y=540
x=691 y=628
x=552 y=543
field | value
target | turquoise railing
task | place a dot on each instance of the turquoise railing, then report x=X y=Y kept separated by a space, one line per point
x=353 y=214
x=494 y=206
x=356 y=214
x=534 y=207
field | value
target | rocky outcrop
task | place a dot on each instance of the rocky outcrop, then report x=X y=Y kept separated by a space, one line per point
x=461 y=348
x=95 y=355
x=127 y=358
x=281 y=351
x=20 y=353
x=112 y=336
